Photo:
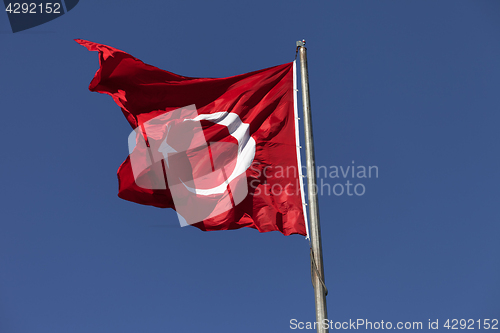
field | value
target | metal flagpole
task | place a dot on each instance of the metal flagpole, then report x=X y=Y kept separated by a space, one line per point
x=317 y=272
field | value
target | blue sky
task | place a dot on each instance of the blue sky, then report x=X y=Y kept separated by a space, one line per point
x=411 y=87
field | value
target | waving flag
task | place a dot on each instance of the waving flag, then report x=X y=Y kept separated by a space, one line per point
x=222 y=152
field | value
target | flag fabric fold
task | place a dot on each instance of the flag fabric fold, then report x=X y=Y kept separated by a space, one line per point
x=248 y=124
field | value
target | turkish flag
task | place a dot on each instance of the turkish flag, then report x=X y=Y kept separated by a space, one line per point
x=222 y=152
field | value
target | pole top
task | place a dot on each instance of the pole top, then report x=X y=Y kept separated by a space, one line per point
x=301 y=43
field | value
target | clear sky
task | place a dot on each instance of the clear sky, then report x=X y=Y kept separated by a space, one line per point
x=411 y=87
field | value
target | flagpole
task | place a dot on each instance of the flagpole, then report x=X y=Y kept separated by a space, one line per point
x=317 y=271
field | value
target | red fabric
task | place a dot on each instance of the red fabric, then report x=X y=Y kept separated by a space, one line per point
x=263 y=99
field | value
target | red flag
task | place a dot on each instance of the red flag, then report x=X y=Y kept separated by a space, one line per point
x=222 y=152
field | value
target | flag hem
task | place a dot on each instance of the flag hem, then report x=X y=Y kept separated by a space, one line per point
x=297 y=143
